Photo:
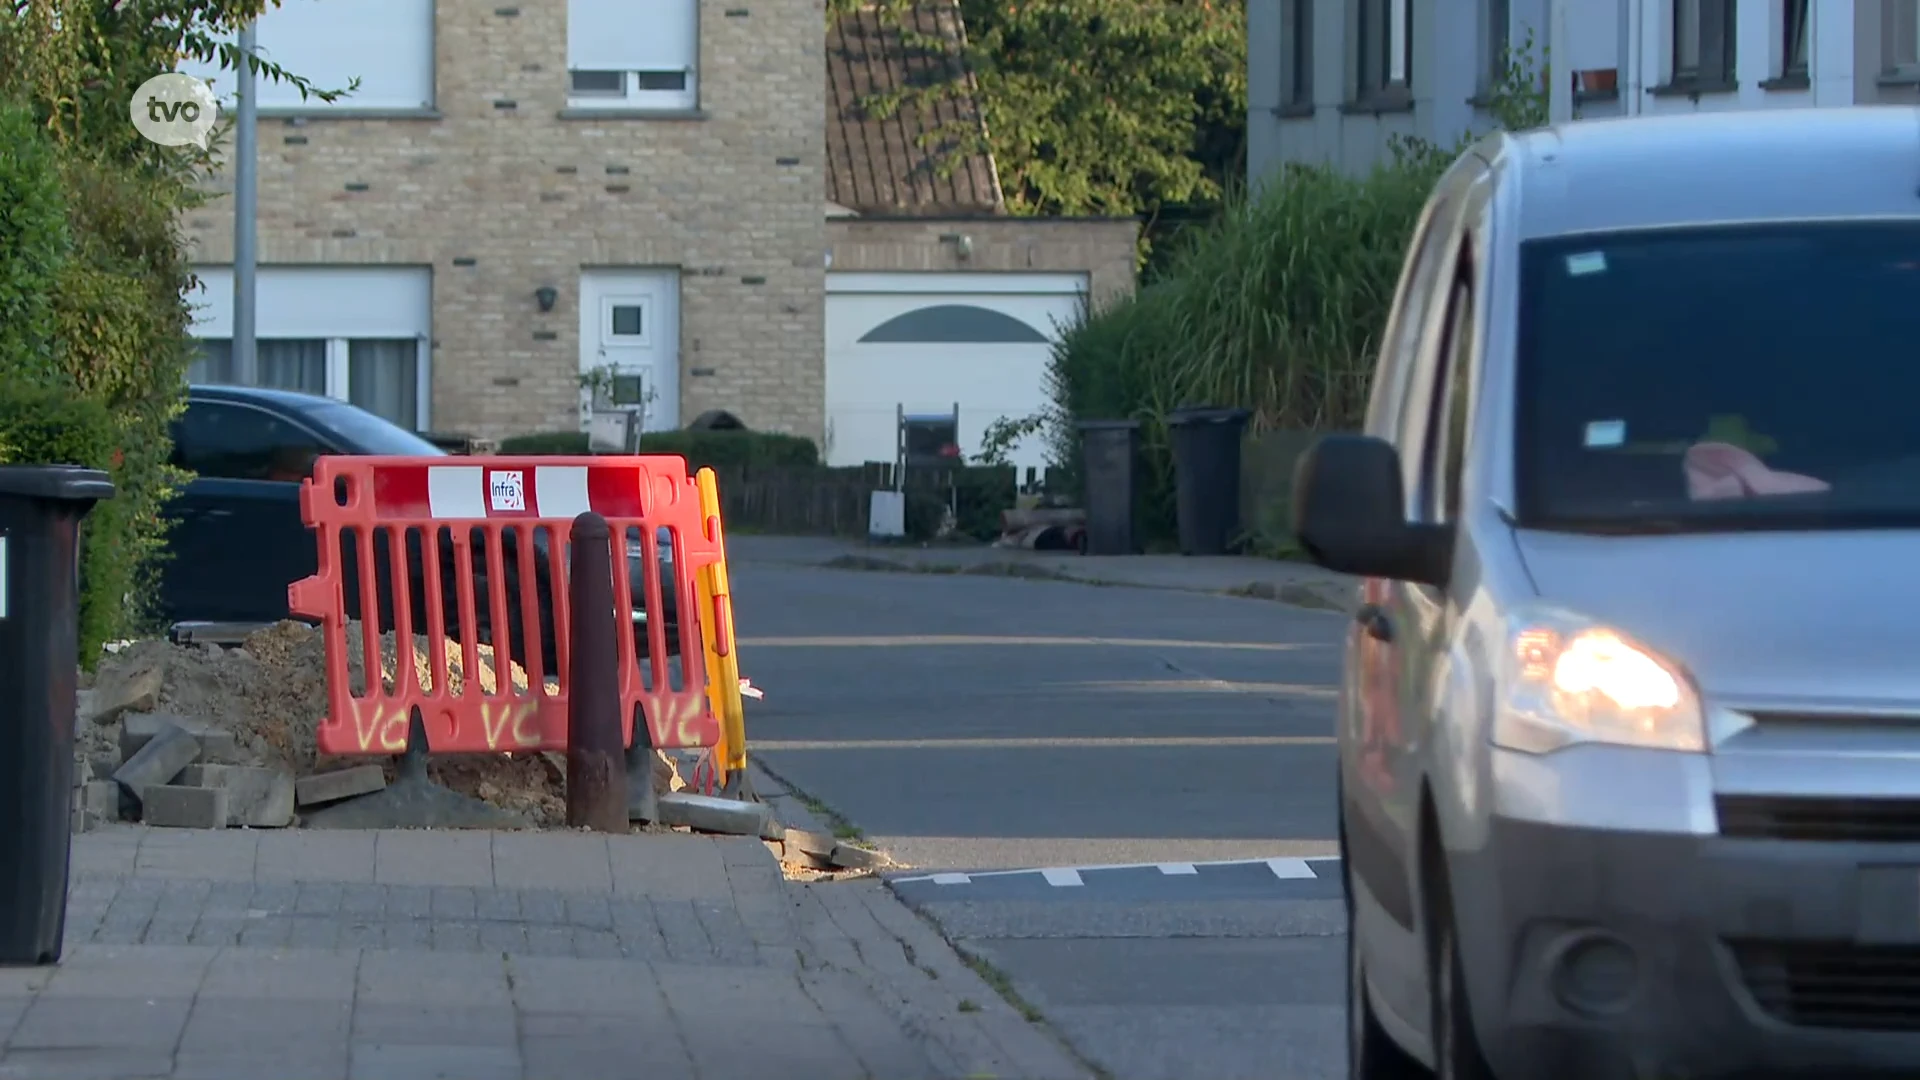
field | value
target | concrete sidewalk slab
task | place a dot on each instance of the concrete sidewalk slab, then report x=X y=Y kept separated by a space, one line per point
x=245 y=955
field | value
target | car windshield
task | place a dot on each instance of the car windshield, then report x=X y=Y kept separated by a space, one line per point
x=1721 y=378
x=371 y=434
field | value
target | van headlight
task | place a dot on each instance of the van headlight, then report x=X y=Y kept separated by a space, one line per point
x=1569 y=681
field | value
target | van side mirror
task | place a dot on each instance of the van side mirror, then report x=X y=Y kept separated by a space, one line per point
x=1349 y=513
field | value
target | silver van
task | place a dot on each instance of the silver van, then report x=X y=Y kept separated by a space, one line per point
x=1630 y=725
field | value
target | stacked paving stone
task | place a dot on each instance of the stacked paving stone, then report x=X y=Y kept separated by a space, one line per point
x=182 y=773
x=175 y=772
x=169 y=770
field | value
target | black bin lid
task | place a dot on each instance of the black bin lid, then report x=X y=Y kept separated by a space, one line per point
x=1206 y=414
x=55 y=483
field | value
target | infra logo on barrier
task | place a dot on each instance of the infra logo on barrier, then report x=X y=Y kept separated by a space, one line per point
x=507 y=490
x=175 y=110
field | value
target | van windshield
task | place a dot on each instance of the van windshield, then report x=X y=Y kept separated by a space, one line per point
x=1699 y=379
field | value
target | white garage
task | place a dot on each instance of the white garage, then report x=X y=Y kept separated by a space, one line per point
x=926 y=341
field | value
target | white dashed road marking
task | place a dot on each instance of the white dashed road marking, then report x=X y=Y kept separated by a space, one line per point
x=1286 y=869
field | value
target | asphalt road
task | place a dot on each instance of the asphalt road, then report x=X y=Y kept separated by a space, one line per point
x=1120 y=798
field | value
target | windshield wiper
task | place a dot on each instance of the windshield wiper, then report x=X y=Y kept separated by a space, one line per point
x=1605 y=526
x=1744 y=519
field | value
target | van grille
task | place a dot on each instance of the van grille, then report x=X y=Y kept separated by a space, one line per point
x=1781 y=817
x=1834 y=985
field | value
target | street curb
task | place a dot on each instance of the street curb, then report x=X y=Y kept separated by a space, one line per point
x=793 y=815
x=787 y=808
x=1303 y=596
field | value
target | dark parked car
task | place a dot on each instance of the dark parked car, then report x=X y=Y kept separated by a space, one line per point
x=238 y=539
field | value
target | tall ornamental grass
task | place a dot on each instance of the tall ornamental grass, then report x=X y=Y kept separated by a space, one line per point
x=1277 y=307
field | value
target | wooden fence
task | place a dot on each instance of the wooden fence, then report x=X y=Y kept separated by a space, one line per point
x=820 y=501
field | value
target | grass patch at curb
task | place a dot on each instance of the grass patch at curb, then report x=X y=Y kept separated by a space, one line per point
x=1291 y=593
x=1311 y=596
x=998 y=981
x=1008 y=568
x=1003 y=986
x=843 y=829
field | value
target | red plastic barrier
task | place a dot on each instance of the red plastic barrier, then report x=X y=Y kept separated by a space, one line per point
x=442 y=505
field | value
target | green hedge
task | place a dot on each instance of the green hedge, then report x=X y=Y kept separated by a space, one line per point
x=702 y=449
x=734 y=449
x=44 y=425
x=92 y=278
x=560 y=443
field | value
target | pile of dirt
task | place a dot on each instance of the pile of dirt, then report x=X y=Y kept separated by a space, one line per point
x=271 y=693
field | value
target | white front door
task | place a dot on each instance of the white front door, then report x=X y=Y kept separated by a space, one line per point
x=630 y=345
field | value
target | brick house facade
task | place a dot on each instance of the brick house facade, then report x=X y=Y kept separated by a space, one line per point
x=490 y=157
x=500 y=188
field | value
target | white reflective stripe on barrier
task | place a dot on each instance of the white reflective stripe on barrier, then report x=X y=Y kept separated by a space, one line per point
x=464 y=492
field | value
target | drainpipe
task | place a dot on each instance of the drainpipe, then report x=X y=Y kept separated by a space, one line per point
x=1633 y=56
x=1560 y=80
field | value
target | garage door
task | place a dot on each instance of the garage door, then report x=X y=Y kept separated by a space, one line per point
x=928 y=341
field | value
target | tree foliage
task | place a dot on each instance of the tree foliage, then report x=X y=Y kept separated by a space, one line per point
x=93 y=269
x=1097 y=107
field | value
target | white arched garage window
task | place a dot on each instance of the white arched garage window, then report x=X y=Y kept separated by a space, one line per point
x=954 y=324
x=924 y=342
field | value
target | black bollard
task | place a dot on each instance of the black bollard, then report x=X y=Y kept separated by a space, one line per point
x=596 y=756
x=40 y=512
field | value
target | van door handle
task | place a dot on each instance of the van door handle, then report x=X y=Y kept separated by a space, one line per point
x=1374 y=618
x=216 y=513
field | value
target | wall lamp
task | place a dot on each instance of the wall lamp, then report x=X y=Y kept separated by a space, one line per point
x=546 y=296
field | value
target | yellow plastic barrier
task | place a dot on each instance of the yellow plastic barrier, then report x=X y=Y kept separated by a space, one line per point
x=716 y=633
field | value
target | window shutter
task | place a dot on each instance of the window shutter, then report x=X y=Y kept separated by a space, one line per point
x=386 y=44
x=631 y=35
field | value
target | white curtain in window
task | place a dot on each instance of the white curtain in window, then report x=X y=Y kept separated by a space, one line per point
x=382 y=378
x=1499 y=39
x=1901 y=32
x=284 y=364
x=1686 y=38
x=293 y=365
x=631 y=35
x=1399 y=14
x=214 y=365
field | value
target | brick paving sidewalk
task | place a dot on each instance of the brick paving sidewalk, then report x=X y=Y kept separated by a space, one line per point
x=295 y=955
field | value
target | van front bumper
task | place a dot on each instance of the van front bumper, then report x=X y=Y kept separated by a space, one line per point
x=1610 y=954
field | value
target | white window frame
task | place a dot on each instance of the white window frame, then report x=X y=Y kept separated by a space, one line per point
x=1394 y=39
x=1715 y=66
x=1784 y=64
x=1900 y=40
x=644 y=339
x=1496 y=41
x=339 y=382
x=636 y=56
x=1296 y=55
